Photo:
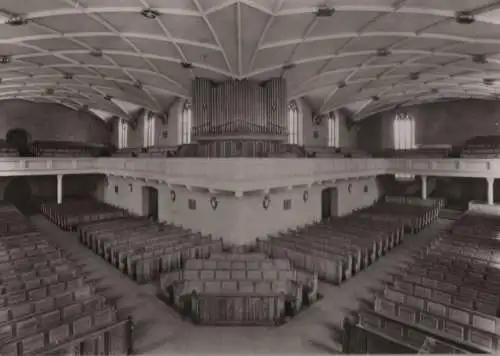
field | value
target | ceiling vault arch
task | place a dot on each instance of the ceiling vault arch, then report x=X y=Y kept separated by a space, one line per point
x=389 y=53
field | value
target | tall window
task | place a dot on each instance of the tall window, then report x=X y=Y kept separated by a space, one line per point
x=333 y=130
x=149 y=129
x=404 y=132
x=122 y=134
x=186 y=123
x=293 y=123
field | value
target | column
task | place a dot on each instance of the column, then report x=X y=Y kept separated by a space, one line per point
x=491 y=182
x=59 y=189
x=423 y=181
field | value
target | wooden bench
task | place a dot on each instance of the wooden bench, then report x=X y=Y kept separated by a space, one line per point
x=46 y=302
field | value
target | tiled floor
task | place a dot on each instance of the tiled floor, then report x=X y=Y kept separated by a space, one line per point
x=161 y=330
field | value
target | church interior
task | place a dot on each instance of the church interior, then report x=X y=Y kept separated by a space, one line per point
x=254 y=176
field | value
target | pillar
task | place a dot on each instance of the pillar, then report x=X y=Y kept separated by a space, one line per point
x=423 y=181
x=491 y=182
x=59 y=188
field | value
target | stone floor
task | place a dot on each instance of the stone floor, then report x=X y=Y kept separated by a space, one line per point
x=160 y=330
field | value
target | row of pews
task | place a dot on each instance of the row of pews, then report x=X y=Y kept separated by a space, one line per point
x=239 y=289
x=47 y=306
x=6 y=150
x=65 y=149
x=450 y=294
x=430 y=152
x=339 y=248
x=334 y=152
x=147 y=152
x=140 y=248
x=480 y=152
x=72 y=212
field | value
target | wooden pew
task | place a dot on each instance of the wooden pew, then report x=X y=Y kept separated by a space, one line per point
x=143 y=249
x=451 y=291
x=46 y=304
x=338 y=248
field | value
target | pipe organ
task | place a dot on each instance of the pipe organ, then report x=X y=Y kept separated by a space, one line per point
x=239 y=117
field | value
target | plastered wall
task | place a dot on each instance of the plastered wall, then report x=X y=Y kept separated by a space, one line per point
x=450 y=122
x=45 y=121
x=242 y=220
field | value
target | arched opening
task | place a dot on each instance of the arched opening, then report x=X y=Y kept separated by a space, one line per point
x=18 y=192
x=150 y=202
x=19 y=139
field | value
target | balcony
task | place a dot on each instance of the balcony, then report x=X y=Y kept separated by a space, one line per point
x=446 y=167
x=247 y=174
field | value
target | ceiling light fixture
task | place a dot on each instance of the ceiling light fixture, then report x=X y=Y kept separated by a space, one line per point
x=375 y=98
x=96 y=53
x=5 y=59
x=341 y=84
x=464 y=18
x=150 y=13
x=186 y=65
x=138 y=85
x=383 y=52
x=324 y=11
x=488 y=81
x=16 y=20
x=479 y=58
x=68 y=76
x=108 y=97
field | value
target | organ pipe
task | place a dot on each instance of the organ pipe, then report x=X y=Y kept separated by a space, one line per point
x=239 y=105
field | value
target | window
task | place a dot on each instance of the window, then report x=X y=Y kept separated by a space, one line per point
x=404 y=132
x=191 y=204
x=149 y=129
x=122 y=134
x=186 y=122
x=287 y=204
x=293 y=123
x=333 y=130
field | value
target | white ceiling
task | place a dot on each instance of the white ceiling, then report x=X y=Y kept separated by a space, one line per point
x=251 y=39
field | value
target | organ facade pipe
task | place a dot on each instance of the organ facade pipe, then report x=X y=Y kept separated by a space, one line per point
x=239 y=106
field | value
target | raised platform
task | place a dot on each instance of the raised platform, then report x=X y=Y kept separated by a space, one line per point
x=239 y=289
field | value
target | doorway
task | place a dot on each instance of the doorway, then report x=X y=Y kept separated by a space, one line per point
x=19 y=139
x=326 y=203
x=150 y=202
x=329 y=203
x=18 y=192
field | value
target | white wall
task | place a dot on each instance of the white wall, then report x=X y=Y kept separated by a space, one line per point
x=136 y=138
x=348 y=137
x=240 y=221
x=357 y=198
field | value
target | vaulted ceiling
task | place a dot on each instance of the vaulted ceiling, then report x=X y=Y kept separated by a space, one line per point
x=366 y=55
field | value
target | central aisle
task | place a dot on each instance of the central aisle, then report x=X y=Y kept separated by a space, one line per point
x=160 y=330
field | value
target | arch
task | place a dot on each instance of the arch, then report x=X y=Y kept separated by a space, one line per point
x=18 y=192
x=19 y=139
